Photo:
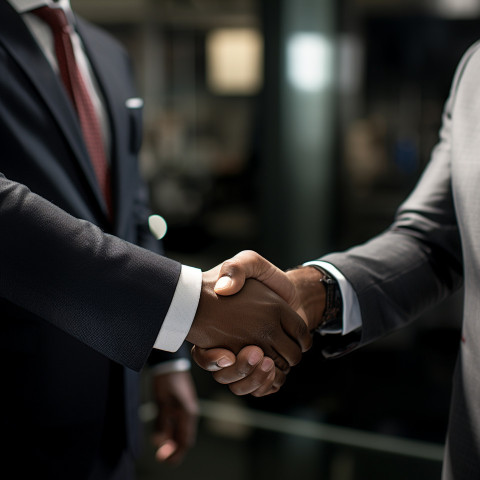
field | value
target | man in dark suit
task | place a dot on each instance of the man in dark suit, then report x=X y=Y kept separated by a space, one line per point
x=45 y=151
x=429 y=252
x=81 y=306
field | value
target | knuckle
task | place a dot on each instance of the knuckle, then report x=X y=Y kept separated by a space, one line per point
x=259 y=393
x=248 y=253
x=236 y=390
x=281 y=363
x=220 y=377
x=230 y=266
x=296 y=357
x=243 y=371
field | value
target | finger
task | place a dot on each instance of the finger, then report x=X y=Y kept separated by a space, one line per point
x=247 y=359
x=296 y=329
x=286 y=352
x=184 y=436
x=249 y=264
x=163 y=442
x=165 y=451
x=287 y=343
x=279 y=380
x=163 y=428
x=280 y=361
x=262 y=376
x=176 y=456
x=212 y=359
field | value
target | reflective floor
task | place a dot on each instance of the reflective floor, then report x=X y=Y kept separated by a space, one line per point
x=230 y=446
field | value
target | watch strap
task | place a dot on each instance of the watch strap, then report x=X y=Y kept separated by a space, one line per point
x=332 y=315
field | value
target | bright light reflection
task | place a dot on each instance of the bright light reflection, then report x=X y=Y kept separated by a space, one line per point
x=457 y=8
x=234 y=61
x=158 y=226
x=309 y=61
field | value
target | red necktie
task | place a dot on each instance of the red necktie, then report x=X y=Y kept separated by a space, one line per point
x=77 y=90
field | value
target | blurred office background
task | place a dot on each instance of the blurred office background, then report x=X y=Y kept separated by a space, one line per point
x=295 y=127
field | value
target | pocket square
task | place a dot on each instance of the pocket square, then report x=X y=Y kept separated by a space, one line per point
x=135 y=102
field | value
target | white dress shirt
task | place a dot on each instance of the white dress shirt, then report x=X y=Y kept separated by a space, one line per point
x=184 y=304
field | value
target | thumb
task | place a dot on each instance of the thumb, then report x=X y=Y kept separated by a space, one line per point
x=233 y=273
x=212 y=359
x=227 y=285
x=249 y=264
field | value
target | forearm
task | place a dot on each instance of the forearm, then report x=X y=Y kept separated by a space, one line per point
x=418 y=261
x=396 y=278
x=109 y=294
x=310 y=290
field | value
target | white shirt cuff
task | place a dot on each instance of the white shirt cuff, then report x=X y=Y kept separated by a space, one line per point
x=352 y=317
x=182 y=310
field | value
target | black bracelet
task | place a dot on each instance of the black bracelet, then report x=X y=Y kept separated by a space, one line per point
x=332 y=315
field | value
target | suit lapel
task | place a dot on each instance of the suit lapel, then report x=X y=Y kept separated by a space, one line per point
x=17 y=39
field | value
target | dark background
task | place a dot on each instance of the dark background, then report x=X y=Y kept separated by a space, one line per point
x=295 y=180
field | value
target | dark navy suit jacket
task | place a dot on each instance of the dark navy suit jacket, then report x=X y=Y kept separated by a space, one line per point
x=79 y=308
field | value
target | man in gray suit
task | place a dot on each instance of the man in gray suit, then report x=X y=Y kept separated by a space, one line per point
x=429 y=252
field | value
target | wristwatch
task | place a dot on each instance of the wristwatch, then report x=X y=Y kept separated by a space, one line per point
x=332 y=315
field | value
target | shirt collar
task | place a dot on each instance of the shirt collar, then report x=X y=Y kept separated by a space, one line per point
x=22 y=6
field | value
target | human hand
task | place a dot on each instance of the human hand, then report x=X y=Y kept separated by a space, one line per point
x=254 y=316
x=249 y=372
x=301 y=288
x=176 y=423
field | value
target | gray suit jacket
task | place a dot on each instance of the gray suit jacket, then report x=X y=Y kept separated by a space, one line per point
x=430 y=251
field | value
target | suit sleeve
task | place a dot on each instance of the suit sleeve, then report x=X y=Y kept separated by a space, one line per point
x=107 y=293
x=417 y=262
x=145 y=239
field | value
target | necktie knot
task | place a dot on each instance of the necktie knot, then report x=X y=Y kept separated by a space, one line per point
x=55 y=18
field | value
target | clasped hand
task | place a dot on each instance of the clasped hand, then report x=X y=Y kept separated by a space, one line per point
x=253 y=322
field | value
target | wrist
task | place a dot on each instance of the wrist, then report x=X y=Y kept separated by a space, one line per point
x=332 y=314
x=198 y=330
x=311 y=293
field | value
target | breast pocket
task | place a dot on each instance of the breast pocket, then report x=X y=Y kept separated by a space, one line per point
x=135 y=113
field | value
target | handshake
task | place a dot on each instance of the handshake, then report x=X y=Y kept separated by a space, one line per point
x=254 y=321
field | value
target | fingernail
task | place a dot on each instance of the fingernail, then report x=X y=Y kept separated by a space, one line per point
x=267 y=364
x=223 y=283
x=224 y=362
x=254 y=357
